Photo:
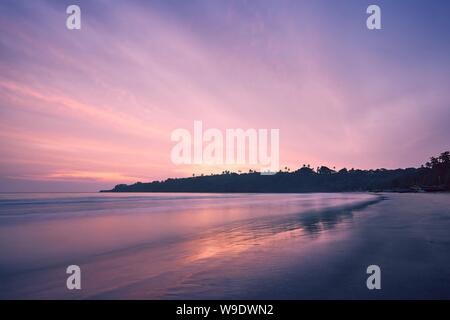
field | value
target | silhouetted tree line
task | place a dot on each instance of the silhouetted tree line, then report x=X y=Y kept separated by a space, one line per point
x=433 y=176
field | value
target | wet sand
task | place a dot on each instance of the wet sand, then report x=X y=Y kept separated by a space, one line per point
x=315 y=246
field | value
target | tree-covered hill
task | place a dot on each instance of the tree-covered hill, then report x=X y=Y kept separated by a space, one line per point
x=433 y=176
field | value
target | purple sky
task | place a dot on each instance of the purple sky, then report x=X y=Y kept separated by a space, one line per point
x=87 y=109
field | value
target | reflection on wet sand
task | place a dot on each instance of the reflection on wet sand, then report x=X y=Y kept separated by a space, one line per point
x=237 y=240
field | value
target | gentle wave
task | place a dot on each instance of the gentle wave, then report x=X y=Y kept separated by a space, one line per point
x=157 y=235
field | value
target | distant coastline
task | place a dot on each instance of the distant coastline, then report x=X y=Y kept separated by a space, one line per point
x=434 y=176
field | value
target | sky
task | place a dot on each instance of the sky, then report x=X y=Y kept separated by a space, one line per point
x=83 y=110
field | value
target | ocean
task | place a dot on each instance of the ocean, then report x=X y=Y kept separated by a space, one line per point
x=224 y=246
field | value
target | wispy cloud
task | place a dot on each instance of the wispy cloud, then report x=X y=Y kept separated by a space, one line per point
x=99 y=104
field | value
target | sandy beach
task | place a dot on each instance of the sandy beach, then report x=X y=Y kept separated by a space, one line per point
x=245 y=246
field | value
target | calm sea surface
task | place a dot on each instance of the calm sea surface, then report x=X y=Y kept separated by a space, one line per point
x=187 y=245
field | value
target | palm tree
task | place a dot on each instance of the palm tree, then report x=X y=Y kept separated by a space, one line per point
x=434 y=162
x=445 y=157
